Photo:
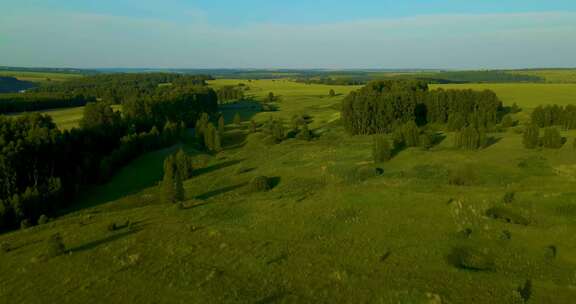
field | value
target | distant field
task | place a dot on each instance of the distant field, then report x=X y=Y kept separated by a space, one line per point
x=39 y=77
x=528 y=95
x=68 y=118
x=552 y=76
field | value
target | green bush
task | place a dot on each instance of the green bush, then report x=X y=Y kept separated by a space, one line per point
x=54 y=246
x=552 y=139
x=472 y=259
x=260 y=184
x=25 y=224
x=507 y=215
x=509 y=197
x=43 y=219
x=462 y=176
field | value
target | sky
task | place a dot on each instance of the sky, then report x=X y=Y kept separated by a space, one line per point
x=360 y=34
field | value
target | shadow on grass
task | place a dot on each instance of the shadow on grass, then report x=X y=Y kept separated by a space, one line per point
x=111 y=238
x=220 y=191
x=218 y=166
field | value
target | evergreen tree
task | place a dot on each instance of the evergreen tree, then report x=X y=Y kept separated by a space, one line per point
x=531 y=137
x=552 y=139
x=209 y=132
x=381 y=149
x=183 y=164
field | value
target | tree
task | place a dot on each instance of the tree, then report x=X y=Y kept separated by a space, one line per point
x=172 y=189
x=221 y=124
x=332 y=93
x=209 y=132
x=552 y=139
x=217 y=142
x=99 y=115
x=531 y=137
x=507 y=122
x=237 y=119
x=381 y=149
x=410 y=134
x=470 y=138
x=271 y=97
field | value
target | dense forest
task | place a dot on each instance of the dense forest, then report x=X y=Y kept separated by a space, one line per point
x=13 y=85
x=32 y=101
x=42 y=168
x=383 y=106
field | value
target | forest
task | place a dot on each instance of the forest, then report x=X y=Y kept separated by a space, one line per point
x=383 y=106
x=41 y=167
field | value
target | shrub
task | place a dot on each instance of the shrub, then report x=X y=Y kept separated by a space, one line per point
x=304 y=133
x=43 y=219
x=25 y=224
x=463 y=176
x=507 y=215
x=117 y=226
x=5 y=247
x=508 y=197
x=260 y=184
x=472 y=259
x=381 y=149
x=508 y=122
x=332 y=93
x=54 y=246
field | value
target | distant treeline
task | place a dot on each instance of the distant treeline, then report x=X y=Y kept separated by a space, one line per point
x=117 y=87
x=230 y=93
x=13 y=85
x=333 y=81
x=384 y=106
x=24 y=102
x=42 y=168
x=485 y=76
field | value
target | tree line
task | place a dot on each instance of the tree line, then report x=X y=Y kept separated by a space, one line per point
x=32 y=101
x=555 y=115
x=42 y=168
x=383 y=106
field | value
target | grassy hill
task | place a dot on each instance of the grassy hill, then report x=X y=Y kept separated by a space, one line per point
x=332 y=230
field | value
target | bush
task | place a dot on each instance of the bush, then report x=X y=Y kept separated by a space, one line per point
x=508 y=197
x=25 y=224
x=463 y=176
x=54 y=246
x=5 y=247
x=507 y=215
x=472 y=259
x=43 y=219
x=117 y=226
x=260 y=184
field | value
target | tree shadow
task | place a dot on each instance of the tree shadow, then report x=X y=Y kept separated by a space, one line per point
x=246 y=109
x=492 y=141
x=220 y=191
x=111 y=238
x=218 y=166
x=274 y=181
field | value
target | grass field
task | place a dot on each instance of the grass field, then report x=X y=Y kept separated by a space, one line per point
x=331 y=230
x=39 y=77
x=553 y=76
x=68 y=118
x=527 y=95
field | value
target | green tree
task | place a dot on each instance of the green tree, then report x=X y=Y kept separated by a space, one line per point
x=172 y=189
x=507 y=122
x=221 y=124
x=332 y=93
x=531 y=137
x=271 y=97
x=99 y=115
x=217 y=142
x=381 y=149
x=470 y=138
x=552 y=138
x=410 y=134
x=304 y=133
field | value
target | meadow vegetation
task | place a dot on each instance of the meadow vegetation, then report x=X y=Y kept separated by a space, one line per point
x=396 y=192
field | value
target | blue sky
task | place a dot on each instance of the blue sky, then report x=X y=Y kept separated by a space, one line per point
x=459 y=34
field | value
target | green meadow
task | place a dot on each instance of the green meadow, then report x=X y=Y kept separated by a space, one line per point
x=335 y=228
x=39 y=77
